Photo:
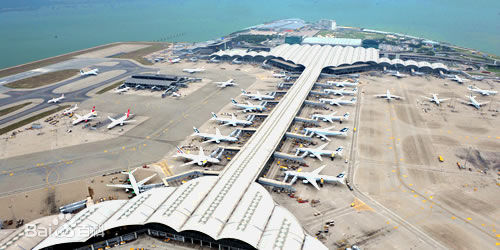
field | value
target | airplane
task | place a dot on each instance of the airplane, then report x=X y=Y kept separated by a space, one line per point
x=200 y=159
x=235 y=61
x=213 y=60
x=175 y=94
x=388 y=96
x=344 y=83
x=120 y=121
x=331 y=117
x=279 y=75
x=70 y=110
x=482 y=91
x=248 y=107
x=265 y=65
x=258 y=96
x=137 y=186
x=93 y=72
x=175 y=60
x=342 y=91
x=192 y=71
x=458 y=79
x=230 y=121
x=86 y=117
x=217 y=137
x=417 y=73
x=227 y=83
x=193 y=59
x=435 y=99
x=56 y=99
x=324 y=132
x=398 y=75
x=319 y=151
x=155 y=88
x=339 y=101
x=314 y=176
x=472 y=101
x=122 y=90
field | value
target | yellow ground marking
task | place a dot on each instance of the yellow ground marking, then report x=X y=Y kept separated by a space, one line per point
x=422 y=208
x=388 y=129
x=390 y=147
x=489 y=136
x=410 y=184
x=483 y=225
x=412 y=191
x=11 y=174
x=400 y=159
x=453 y=217
x=395 y=227
x=360 y=206
x=144 y=144
x=393 y=119
x=405 y=176
x=38 y=164
x=388 y=222
x=498 y=243
x=392 y=137
x=41 y=164
x=424 y=201
x=105 y=151
x=399 y=139
x=415 y=195
x=404 y=191
x=466 y=137
x=430 y=206
x=498 y=235
x=430 y=197
x=498 y=137
x=449 y=131
x=469 y=218
x=147 y=137
x=123 y=148
x=494 y=230
x=394 y=171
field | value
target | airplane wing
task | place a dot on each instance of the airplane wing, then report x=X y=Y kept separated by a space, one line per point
x=113 y=120
x=128 y=121
x=217 y=132
x=140 y=183
x=397 y=97
x=318 y=170
x=430 y=99
x=483 y=103
x=189 y=163
x=317 y=156
x=313 y=182
x=211 y=140
x=119 y=185
x=322 y=146
x=381 y=96
x=445 y=99
x=323 y=136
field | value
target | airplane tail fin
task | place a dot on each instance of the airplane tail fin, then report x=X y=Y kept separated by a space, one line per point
x=81 y=72
x=243 y=91
x=344 y=130
x=346 y=115
x=179 y=150
x=196 y=131
x=128 y=113
x=214 y=115
x=93 y=109
x=62 y=95
x=339 y=150
x=233 y=101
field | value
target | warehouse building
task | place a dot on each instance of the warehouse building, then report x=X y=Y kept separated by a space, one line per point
x=157 y=81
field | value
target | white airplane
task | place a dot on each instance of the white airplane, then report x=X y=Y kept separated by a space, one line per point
x=200 y=159
x=175 y=94
x=120 y=121
x=331 y=117
x=192 y=71
x=248 y=107
x=227 y=83
x=314 y=176
x=482 y=91
x=213 y=60
x=217 y=138
x=417 y=73
x=137 y=186
x=70 y=110
x=93 y=72
x=230 y=121
x=338 y=101
x=236 y=61
x=319 y=151
x=86 y=117
x=458 y=79
x=56 y=99
x=398 y=75
x=472 y=101
x=435 y=99
x=324 y=132
x=175 y=60
x=341 y=91
x=264 y=65
x=122 y=90
x=344 y=83
x=257 y=96
x=279 y=75
x=388 y=96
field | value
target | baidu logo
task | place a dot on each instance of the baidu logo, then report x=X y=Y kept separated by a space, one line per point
x=71 y=228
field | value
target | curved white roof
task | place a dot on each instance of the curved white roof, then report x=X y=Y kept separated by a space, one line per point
x=337 y=55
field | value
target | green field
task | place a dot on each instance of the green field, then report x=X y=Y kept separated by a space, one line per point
x=13 y=108
x=138 y=55
x=31 y=119
x=351 y=34
x=43 y=79
x=110 y=87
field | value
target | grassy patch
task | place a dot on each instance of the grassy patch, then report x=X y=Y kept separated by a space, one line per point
x=138 y=55
x=31 y=119
x=494 y=70
x=13 y=108
x=351 y=34
x=110 y=87
x=43 y=79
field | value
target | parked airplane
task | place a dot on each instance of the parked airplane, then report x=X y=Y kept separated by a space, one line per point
x=136 y=186
x=339 y=101
x=236 y=61
x=232 y=121
x=314 y=176
x=70 y=110
x=227 y=83
x=388 y=96
x=86 y=117
x=341 y=91
x=93 y=72
x=120 y=121
x=200 y=159
x=248 y=107
x=56 y=99
x=482 y=91
x=344 y=83
x=319 y=151
x=417 y=73
x=122 y=90
x=258 y=96
x=472 y=101
x=279 y=75
x=265 y=65
x=192 y=71
x=175 y=94
x=217 y=137
x=398 y=75
x=324 y=132
x=213 y=60
x=435 y=99
x=331 y=117
x=458 y=79
x=175 y=60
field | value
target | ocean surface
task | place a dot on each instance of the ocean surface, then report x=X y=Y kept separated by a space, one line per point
x=36 y=29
